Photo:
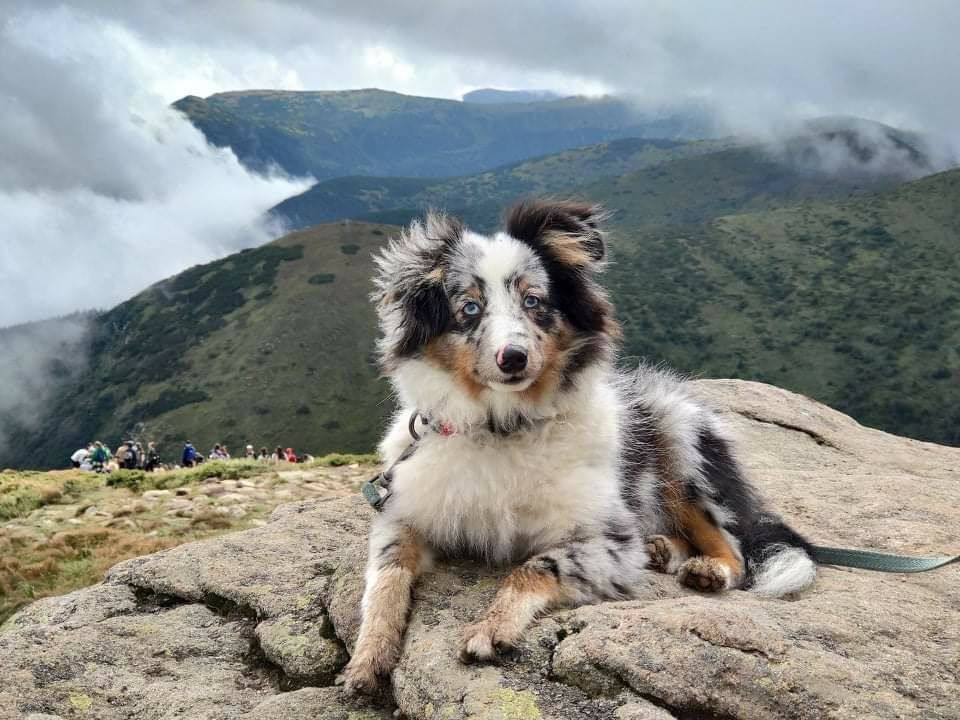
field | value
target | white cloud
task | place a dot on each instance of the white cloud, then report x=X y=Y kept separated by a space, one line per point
x=103 y=188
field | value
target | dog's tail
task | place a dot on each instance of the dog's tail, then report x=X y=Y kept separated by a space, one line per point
x=779 y=561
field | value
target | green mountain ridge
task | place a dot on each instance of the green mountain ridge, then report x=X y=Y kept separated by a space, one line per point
x=680 y=178
x=375 y=132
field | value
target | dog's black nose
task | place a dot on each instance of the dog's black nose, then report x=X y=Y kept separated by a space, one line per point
x=512 y=358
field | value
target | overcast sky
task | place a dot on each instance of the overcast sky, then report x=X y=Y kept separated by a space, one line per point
x=103 y=189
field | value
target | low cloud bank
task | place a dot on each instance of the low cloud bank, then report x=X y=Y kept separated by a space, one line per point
x=103 y=188
x=35 y=359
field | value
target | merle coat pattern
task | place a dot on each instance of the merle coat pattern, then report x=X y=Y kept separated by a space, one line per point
x=537 y=452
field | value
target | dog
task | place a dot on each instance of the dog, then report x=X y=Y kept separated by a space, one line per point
x=518 y=441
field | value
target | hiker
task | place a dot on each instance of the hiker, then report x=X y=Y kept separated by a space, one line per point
x=278 y=455
x=291 y=456
x=216 y=453
x=127 y=456
x=80 y=455
x=99 y=457
x=250 y=453
x=151 y=459
x=263 y=455
x=189 y=457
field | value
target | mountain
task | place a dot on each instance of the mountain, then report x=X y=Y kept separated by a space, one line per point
x=270 y=346
x=374 y=132
x=677 y=181
x=854 y=302
x=492 y=96
x=479 y=198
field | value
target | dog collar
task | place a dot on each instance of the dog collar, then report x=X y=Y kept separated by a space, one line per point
x=444 y=428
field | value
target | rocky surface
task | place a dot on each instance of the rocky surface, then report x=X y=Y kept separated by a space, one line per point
x=256 y=624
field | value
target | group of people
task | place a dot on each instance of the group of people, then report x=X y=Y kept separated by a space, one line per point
x=190 y=457
x=131 y=455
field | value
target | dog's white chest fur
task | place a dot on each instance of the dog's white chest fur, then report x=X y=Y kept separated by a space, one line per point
x=507 y=497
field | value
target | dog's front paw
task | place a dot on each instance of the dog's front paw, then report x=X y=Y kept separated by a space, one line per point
x=706 y=574
x=483 y=640
x=359 y=677
x=660 y=550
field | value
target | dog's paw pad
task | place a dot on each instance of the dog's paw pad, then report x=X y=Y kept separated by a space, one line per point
x=358 y=679
x=477 y=644
x=705 y=574
x=660 y=551
x=482 y=642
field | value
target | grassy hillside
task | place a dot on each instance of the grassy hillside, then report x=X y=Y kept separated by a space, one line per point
x=855 y=303
x=653 y=182
x=479 y=198
x=269 y=346
x=374 y=132
x=62 y=530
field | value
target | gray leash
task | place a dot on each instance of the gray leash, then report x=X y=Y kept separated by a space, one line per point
x=880 y=562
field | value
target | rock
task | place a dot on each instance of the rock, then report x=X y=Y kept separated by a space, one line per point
x=232 y=497
x=156 y=494
x=307 y=650
x=255 y=624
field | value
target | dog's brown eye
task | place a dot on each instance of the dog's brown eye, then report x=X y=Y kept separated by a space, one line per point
x=472 y=309
x=531 y=301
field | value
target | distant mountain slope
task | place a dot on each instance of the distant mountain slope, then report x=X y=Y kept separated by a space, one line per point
x=654 y=182
x=270 y=346
x=855 y=303
x=480 y=197
x=373 y=132
x=493 y=95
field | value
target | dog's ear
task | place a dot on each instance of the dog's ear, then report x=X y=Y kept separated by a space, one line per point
x=565 y=231
x=410 y=297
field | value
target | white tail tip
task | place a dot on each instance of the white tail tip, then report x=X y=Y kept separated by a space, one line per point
x=788 y=570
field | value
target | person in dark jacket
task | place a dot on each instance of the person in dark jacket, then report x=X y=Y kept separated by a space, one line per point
x=189 y=458
x=152 y=458
x=127 y=456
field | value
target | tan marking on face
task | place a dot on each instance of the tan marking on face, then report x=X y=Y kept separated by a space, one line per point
x=524 y=286
x=457 y=359
x=435 y=275
x=555 y=348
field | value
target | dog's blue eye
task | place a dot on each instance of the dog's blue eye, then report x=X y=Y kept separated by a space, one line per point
x=471 y=308
x=531 y=301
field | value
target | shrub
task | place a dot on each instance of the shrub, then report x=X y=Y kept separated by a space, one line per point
x=341 y=459
x=322 y=279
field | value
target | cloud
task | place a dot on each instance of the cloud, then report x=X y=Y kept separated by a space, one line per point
x=759 y=65
x=103 y=188
x=34 y=359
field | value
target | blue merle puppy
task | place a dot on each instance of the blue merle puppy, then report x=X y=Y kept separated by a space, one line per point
x=533 y=450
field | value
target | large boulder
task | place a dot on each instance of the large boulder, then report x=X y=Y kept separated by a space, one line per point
x=257 y=624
